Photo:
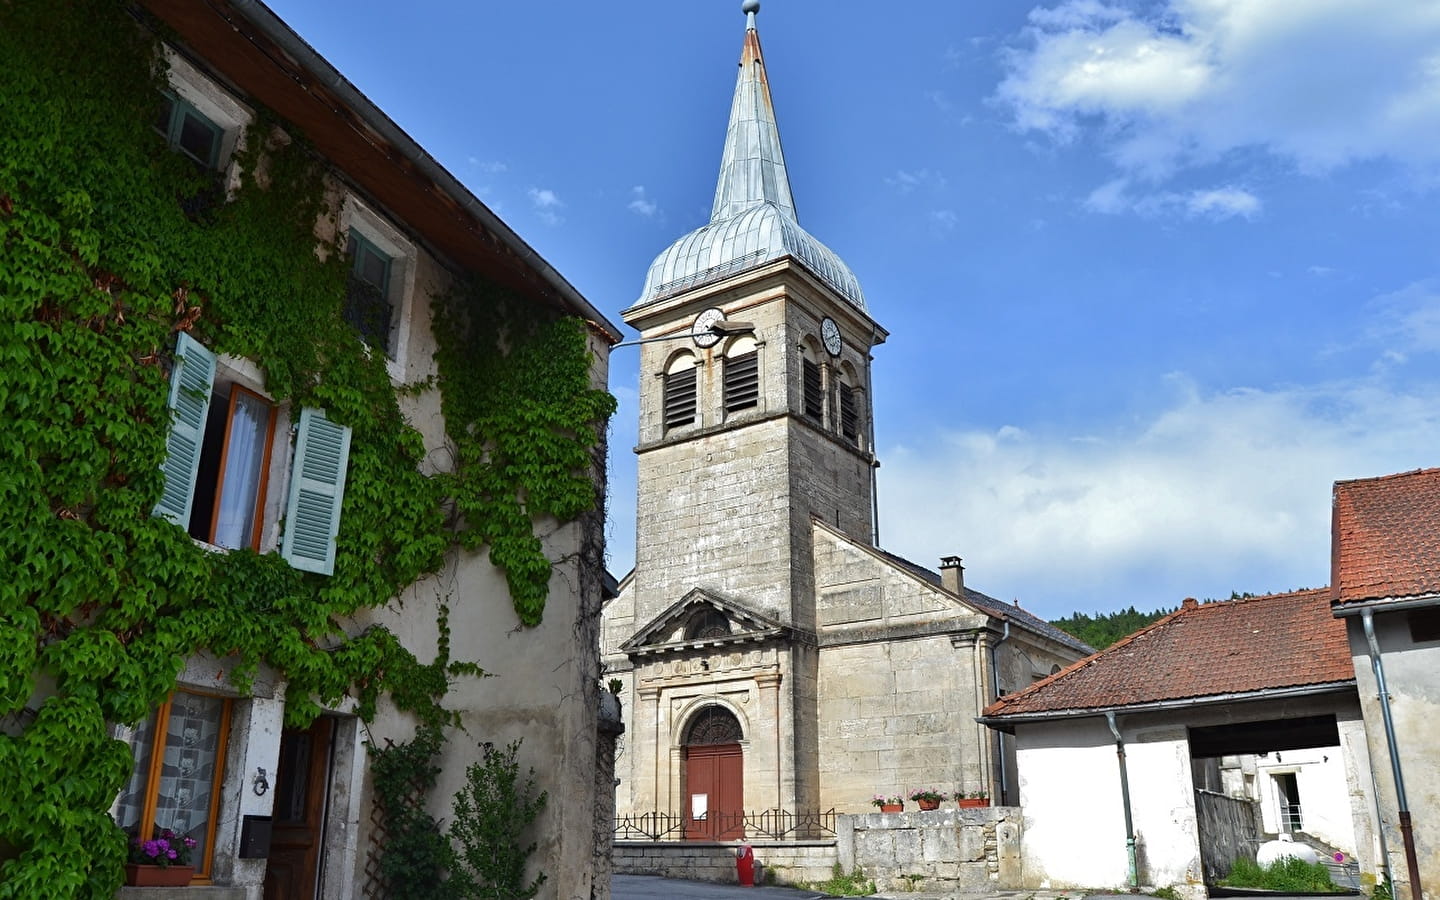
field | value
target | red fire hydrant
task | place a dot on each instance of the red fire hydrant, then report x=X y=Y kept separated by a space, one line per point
x=745 y=865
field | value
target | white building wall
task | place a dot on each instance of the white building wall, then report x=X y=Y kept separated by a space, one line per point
x=1074 y=814
x=1324 y=799
x=1414 y=687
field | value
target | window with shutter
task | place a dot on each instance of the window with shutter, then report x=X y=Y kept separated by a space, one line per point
x=814 y=393
x=679 y=394
x=742 y=381
x=317 y=487
x=190 y=384
x=849 y=415
x=217 y=454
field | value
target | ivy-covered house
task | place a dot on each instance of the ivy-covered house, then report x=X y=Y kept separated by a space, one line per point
x=302 y=467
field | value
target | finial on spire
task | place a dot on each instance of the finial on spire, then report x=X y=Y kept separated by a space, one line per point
x=750 y=7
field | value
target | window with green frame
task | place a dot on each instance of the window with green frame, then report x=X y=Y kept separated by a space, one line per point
x=187 y=130
x=179 y=768
x=367 y=301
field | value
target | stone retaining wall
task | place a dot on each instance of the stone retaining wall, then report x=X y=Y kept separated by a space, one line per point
x=786 y=862
x=948 y=849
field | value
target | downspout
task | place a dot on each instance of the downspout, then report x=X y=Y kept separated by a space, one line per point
x=874 y=461
x=1407 y=834
x=1000 y=735
x=1133 y=874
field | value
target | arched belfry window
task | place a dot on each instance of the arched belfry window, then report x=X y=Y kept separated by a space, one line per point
x=709 y=623
x=812 y=387
x=742 y=374
x=849 y=407
x=713 y=725
x=678 y=396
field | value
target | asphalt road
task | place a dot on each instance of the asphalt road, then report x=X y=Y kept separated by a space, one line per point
x=650 y=887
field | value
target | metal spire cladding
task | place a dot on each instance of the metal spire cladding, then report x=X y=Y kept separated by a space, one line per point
x=752 y=168
x=752 y=222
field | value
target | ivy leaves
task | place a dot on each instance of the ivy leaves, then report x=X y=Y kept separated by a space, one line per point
x=524 y=419
x=101 y=602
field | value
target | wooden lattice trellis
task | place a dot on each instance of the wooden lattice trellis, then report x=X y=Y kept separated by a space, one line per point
x=374 y=886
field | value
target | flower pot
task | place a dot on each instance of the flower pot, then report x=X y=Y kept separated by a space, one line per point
x=928 y=804
x=973 y=802
x=892 y=807
x=137 y=875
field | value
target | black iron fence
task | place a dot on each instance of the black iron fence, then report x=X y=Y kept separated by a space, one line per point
x=767 y=825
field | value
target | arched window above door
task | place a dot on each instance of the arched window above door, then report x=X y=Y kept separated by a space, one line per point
x=713 y=725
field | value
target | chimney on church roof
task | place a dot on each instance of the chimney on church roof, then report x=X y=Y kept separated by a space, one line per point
x=952 y=575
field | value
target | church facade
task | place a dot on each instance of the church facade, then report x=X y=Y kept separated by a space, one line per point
x=771 y=656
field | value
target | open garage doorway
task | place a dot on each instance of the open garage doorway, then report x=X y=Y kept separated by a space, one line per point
x=1274 y=779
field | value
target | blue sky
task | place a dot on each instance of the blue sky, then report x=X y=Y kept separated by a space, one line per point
x=1156 y=274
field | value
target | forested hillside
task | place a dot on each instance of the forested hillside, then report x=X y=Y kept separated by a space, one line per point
x=1103 y=629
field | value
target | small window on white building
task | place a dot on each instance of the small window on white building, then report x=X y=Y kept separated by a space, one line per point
x=381 y=291
x=1287 y=796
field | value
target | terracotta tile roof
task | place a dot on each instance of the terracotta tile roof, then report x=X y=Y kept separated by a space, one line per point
x=1202 y=650
x=1386 y=538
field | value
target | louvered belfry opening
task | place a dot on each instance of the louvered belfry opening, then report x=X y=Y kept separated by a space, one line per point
x=849 y=417
x=679 y=398
x=742 y=381
x=814 y=394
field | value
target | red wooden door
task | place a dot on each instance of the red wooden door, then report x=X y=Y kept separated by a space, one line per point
x=301 y=783
x=714 y=793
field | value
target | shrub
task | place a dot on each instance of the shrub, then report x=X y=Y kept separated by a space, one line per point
x=492 y=812
x=1285 y=875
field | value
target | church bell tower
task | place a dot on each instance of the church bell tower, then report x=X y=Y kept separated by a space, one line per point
x=746 y=434
x=755 y=423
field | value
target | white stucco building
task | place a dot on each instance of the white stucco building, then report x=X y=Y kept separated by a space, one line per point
x=1110 y=748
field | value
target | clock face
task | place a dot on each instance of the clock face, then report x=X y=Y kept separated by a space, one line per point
x=830 y=334
x=700 y=332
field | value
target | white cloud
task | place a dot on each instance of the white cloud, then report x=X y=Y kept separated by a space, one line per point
x=641 y=205
x=1222 y=203
x=1216 y=492
x=1117 y=197
x=488 y=166
x=1408 y=320
x=1319 y=83
x=547 y=205
x=944 y=219
x=921 y=178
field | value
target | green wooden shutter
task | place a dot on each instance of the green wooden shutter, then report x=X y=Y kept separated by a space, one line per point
x=191 y=382
x=317 y=485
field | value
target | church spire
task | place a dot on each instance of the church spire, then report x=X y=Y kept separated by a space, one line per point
x=752 y=169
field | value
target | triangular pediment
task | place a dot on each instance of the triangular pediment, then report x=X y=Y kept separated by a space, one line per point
x=699 y=619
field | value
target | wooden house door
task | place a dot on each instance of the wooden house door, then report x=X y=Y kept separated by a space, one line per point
x=297 y=836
